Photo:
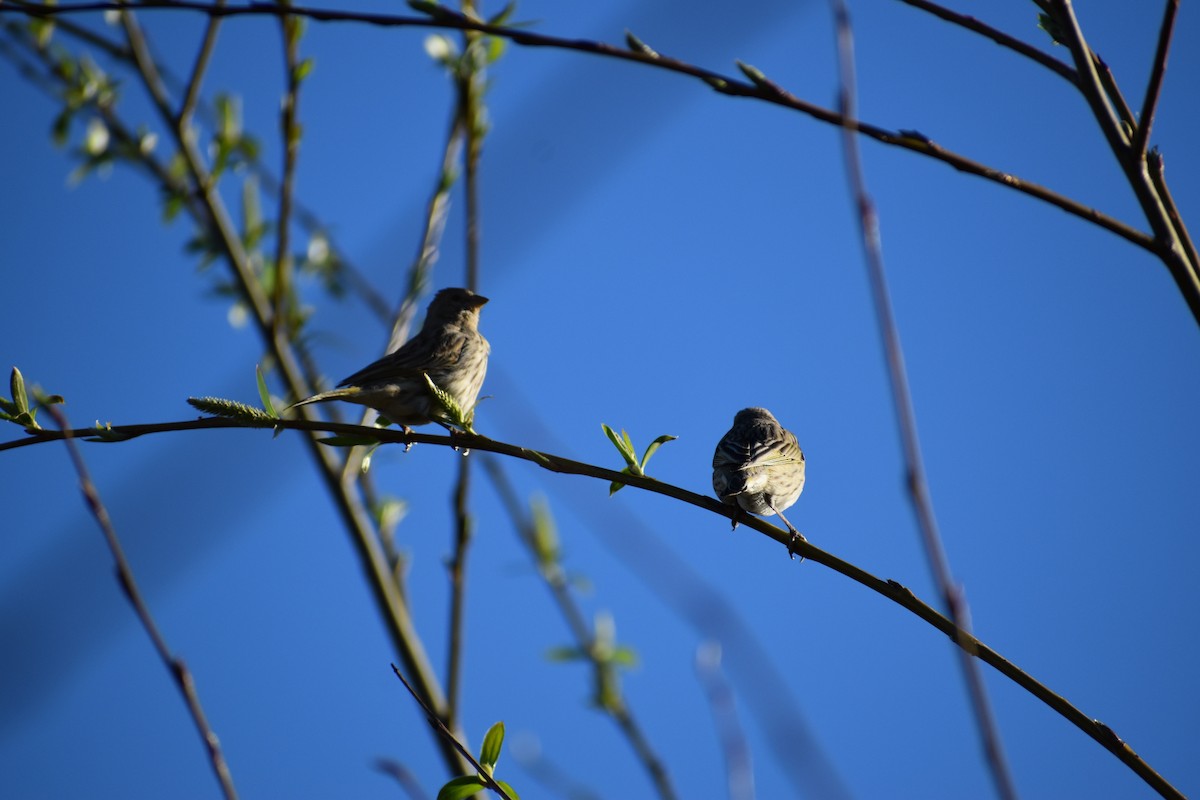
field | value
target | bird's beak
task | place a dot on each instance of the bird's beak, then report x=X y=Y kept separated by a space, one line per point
x=478 y=300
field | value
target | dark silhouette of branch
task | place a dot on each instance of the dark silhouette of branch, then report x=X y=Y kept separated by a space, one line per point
x=721 y=83
x=444 y=733
x=892 y=590
x=999 y=37
x=175 y=665
x=1150 y=101
x=1173 y=244
x=906 y=418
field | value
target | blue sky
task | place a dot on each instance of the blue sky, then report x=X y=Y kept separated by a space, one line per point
x=658 y=257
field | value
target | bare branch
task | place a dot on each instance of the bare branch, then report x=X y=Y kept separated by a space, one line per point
x=444 y=732
x=1150 y=101
x=175 y=665
x=892 y=590
x=997 y=36
x=191 y=94
x=906 y=419
x=718 y=82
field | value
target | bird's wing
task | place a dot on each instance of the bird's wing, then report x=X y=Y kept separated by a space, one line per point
x=418 y=355
x=775 y=452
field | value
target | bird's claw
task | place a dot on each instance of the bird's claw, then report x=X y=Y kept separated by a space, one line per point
x=797 y=536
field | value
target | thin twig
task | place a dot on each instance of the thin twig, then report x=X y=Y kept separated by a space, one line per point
x=906 y=419
x=191 y=94
x=436 y=722
x=892 y=590
x=723 y=84
x=1113 y=92
x=556 y=581
x=1150 y=101
x=175 y=665
x=290 y=29
x=999 y=37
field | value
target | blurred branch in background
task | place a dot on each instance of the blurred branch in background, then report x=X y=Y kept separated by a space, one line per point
x=953 y=599
x=536 y=531
x=739 y=767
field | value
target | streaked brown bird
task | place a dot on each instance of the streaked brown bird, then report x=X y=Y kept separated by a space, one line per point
x=449 y=349
x=759 y=467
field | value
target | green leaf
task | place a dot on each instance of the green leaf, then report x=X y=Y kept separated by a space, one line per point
x=657 y=443
x=265 y=395
x=502 y=17
x=489 y=753
x=424 y=6
x=230 y=409
x=495 y=48
x=1051 y=26
x=617 y=486
x=626 y=450
x=62 y=126
x=638 y=46
x=304 y=69
x=508 y=790
x=545 y=534
x=756 y=76
x=625 y=656
x=16 y=385
x=461 y=788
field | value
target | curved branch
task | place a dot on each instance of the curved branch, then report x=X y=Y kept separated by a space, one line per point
x=444 y=18
x=892 y=590
x=999 y=37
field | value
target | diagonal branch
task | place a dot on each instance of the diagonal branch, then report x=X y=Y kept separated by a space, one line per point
x=999 y=37
x=892 y=590
x=175 y=665
x=906 y=418
x=1150 y=101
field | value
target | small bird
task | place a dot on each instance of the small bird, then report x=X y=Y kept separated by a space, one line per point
x=449 y=349
x=759 y=467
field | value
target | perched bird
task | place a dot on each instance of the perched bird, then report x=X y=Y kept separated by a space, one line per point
x=759 y=467
x=449 y=349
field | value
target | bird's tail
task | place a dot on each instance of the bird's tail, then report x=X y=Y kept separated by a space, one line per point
x=333 y=394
